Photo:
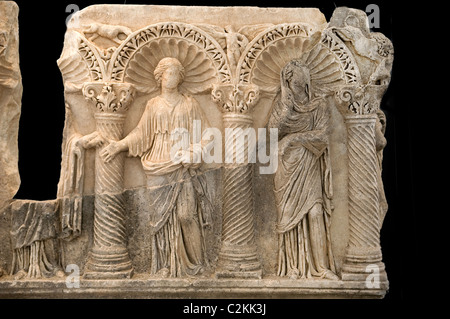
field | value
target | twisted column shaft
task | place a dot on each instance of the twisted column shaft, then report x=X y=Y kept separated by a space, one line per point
x=238 y=256
x=109 y=255
x=364 y=214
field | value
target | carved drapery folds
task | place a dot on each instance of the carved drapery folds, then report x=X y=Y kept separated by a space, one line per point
x=118 y=73
x=237 y=76
x=297 y=75
x=257 y=73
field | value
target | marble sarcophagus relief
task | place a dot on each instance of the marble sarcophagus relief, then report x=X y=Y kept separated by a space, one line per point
x=208 y=155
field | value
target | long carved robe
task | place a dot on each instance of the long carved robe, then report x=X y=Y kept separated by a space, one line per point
x=34 y=227
x=303 y=179
x=182 y=209
x=71 y=183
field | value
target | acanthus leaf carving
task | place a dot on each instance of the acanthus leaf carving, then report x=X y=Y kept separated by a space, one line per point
x=109 y=97
x=237 y=98
x=364 y=96
x=360 y=100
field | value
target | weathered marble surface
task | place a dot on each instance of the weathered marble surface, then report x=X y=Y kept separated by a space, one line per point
x=10 y=100
x=10 y=107
x=236 y=74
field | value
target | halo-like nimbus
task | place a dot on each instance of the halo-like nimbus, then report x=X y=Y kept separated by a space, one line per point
x=328 y=62
x=200 y=73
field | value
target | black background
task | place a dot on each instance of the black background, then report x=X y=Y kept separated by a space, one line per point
x=41 y=29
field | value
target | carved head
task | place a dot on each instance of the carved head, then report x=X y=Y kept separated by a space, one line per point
x=381 y=121
x=169 y=73
x=296 y=82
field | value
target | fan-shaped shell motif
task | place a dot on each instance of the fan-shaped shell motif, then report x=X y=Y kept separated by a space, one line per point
x=324 y=68
x=74 y=72
x=200 y=73
x=329 y=63
x=267 y=68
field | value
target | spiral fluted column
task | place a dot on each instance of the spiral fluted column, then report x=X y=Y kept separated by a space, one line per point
x=238 y=256
x=109 y=258
x=363 y=248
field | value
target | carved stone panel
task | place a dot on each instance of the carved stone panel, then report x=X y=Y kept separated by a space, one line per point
x=207 y=155
x=10 y=100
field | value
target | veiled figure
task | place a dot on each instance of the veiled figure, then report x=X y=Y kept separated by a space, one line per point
x=181 y=213
x=302 y=183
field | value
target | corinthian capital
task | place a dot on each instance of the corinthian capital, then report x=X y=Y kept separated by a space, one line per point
x=360 y=100
x=109 y=97
x=235 y=98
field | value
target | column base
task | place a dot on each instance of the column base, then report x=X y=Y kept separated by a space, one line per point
x=108 y=263
x=364 y=263
x=239 y=262
x=372 y=274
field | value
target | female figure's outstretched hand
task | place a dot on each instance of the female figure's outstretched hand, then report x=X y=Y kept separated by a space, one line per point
x=111 y=151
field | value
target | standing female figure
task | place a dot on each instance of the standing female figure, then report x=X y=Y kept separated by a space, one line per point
x=182 y=211
x=302 y=183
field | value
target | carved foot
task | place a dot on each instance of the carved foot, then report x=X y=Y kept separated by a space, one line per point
x=163 y=272
x=293 y=274
x=206 y=273
x=201 y=271
x=20 y=275
x=330 y=275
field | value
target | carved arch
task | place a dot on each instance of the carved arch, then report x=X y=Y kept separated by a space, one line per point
x=268 y=52
x=330 y=61
x=203 y=58
x=93 y=60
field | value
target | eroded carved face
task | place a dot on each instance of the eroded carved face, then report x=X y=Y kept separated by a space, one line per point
x=299 y=84
x=171 y=77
